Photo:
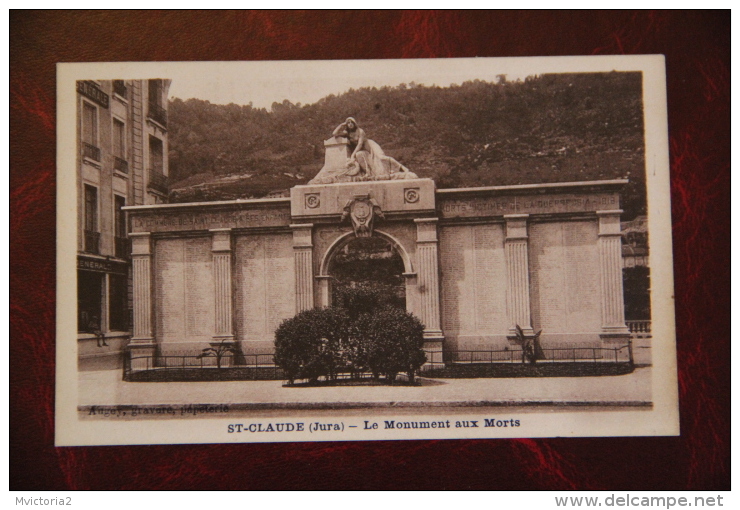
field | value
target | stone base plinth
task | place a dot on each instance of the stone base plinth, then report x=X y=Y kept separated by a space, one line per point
x=433 y=348
x=141 y=352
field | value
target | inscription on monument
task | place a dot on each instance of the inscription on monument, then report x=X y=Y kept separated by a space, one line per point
x=496 y=206
x=280 y=280
x=204 y=221
x=487 y=251
x=265 y=284
x=453 y=276
x=565 y=277
x=199 y=291
x=184 y=289
x=473 y=279
x=170 y=289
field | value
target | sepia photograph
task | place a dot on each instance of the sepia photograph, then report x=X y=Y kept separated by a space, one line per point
x=364 y=250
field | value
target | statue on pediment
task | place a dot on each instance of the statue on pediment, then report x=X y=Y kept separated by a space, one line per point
x=352 y=157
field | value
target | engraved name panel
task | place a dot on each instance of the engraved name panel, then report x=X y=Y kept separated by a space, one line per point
x=564 y=277
x=473 y=284
x=265 y=279
x=184 y=290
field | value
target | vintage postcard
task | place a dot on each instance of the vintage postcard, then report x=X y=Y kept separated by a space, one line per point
x=364 y=250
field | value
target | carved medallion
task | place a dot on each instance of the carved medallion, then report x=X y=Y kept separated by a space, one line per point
x=362 y=211
x=411 y=195
x=312 y=200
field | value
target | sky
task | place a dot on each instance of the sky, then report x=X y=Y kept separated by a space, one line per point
x=305 y=82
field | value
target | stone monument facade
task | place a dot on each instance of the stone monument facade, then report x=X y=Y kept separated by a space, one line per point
x=477 y=262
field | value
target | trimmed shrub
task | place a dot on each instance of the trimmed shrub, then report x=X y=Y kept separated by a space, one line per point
x=363 y=298
x=309 y=345
x=395 y=341
x=326 y=341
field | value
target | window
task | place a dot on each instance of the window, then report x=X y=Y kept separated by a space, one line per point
x=92 y=236
x=156 y=109
x=156 y=155
x=157 y=180
x=119 y=146
x=119 y=139
x=118 y=302
x=119 y=87
x=120 y=215
x=155 y=92
x=89 y=300
x=91 y=208
x=122 y=250
x=90 y=131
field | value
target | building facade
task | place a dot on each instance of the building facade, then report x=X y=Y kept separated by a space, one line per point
x=121 y=161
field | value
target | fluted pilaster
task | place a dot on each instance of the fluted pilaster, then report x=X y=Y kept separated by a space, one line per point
x=517 y=273
x=610 y=258
x=303 y=252
x=141 y=254
x=221 y=249
x=428 y=276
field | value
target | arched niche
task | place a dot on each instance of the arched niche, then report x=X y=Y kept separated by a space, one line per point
x=325 y=279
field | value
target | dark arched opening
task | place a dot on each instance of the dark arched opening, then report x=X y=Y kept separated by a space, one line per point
x=368 y=272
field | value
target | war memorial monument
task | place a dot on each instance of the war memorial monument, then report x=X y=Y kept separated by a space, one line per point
x=474 y=263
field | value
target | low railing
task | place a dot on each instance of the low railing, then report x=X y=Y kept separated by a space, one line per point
x=183 y=366
x=120 y=164
x=640 y=328
x=90 y=151
x=157 y=114
x=164 y=367
x=229 y=367
x=158 y=181
x=92 y=242
x=119 y=87
x=615 y=354
x=123 y=249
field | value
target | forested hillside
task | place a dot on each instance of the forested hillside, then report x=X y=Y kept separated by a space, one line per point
x=557 y=127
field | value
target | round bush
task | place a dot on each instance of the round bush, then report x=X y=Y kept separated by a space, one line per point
x=308 y=345
x=327 y=341
x=395 y=341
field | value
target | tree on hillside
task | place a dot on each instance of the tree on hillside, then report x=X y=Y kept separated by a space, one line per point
x=548 y=128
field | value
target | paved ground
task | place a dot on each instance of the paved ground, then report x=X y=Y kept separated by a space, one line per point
x=107 y=388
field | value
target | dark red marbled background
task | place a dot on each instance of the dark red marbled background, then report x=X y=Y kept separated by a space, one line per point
x=697 y=47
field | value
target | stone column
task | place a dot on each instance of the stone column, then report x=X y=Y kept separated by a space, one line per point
x=303 y=252
x=427 y=281
x=142 y=343
x=221 y=249
x=412 y=294
x=610 y=257
x=517 y=274
x=324 y=285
